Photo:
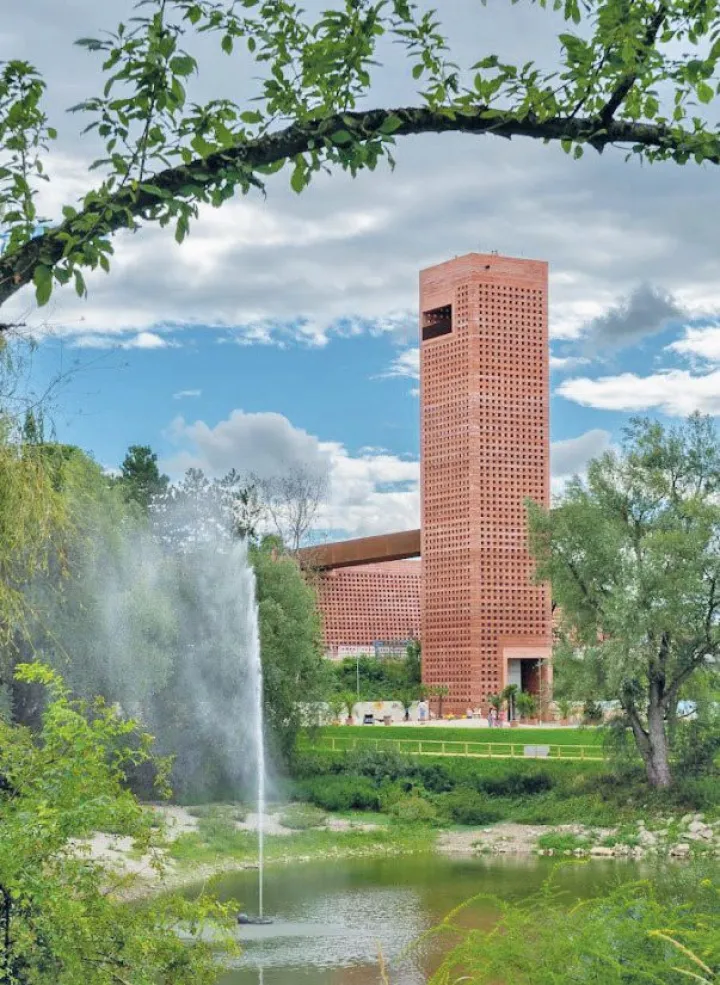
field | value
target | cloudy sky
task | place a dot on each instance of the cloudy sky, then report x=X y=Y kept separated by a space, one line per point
x=284 y=329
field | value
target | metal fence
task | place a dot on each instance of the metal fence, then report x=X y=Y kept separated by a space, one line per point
x=470 y=750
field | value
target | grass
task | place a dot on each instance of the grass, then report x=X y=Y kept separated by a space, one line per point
x=301 y=817
x=526 y=736
x=209 y=847
x=562 y=841
x=233 y=812
x=570 y=744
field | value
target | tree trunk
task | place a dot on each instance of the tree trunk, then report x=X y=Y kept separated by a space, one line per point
x=657 y=763
x=652 y=742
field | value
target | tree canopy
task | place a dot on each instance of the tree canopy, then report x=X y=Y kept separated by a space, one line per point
x=61 y=921
x=141 y=478
x=633 y=554
x=632 y=73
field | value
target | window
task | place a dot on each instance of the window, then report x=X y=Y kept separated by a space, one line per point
x=436 y=322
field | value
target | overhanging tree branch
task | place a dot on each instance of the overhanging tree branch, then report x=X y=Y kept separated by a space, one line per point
x=243 y=163
x=622 y=89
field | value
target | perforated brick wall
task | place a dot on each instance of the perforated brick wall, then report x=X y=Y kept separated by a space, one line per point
x=363 y=604
x=484 y=451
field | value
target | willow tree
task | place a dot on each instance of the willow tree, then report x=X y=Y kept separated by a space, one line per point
x=633 y=554
x=33 y=520
x=630 y=73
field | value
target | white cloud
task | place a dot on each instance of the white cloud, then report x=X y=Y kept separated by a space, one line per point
x=570 y=456
x=143 y=340
x=675 y=392
x=567 y=362
x=183 y=394
x=147 y=340
x=406 y=364
x=701 y=343
x=371 y=492
x=264 y=443
x=344 y=255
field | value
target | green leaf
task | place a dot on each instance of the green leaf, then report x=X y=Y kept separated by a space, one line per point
x=251 y=116
x=227 y=44
x=705 y=92
x=42 y=278
x=417 y=71
x=155 y=190
x=183 y=65
x=80 y=288
x=342 y=137
x=391 y=124
x=298 y=179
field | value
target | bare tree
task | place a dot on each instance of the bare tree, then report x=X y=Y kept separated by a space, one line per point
x=292 y=500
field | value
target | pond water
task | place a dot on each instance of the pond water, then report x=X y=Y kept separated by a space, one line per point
x=331 y=919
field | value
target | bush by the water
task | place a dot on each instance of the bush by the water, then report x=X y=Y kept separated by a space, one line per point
x=343 y=793
x=415 y=809
x=464 y=806
x=663 y=931
x=467 y=791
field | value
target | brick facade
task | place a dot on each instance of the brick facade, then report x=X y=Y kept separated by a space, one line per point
x=485 y=446
x=485 y=450
x=371 y=603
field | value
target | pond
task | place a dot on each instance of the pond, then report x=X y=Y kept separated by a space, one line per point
x=331 y=919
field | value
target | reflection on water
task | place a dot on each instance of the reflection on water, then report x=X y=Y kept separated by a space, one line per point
x=331 y=920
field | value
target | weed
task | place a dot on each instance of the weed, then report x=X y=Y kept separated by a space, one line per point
x=302 y=817
x=562 y=841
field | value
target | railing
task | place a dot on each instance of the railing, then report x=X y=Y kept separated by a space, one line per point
x=451 y=747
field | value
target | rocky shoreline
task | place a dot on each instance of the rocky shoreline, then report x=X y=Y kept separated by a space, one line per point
x=141 y=876
x=669 y=837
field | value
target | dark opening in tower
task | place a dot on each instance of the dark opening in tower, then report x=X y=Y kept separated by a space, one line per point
x=436 y=322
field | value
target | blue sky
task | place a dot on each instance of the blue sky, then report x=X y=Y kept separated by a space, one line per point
x=292 y=317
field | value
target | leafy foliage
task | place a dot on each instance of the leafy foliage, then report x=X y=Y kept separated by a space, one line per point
x=141 y=480
x=637 y=74
x=639 y=932
x=633 y=554
x=60 y=921
x=295 y=672
x=391 y=679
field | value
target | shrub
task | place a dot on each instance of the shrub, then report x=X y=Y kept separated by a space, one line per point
x=344 y=793
x=217 y=829
x=699 y=793
x=414 y=809
x=301 y=817
x=592 y=713
x=468 y=807
x=231 y=811
x=696 y=747
x=633 y=934
x=562 y=841
x=379 y=764
x=514 y=783
x=436 y=777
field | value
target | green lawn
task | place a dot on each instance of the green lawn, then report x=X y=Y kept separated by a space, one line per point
x=458 y=734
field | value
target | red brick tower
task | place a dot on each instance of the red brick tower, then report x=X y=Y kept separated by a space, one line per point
x=484 y=450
